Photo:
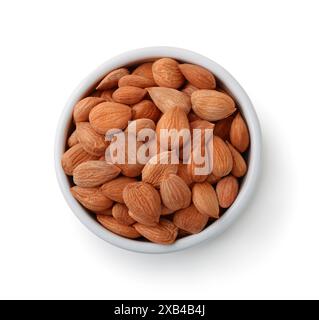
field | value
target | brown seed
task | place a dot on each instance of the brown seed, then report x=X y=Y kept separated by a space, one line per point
x=201 y=124
x=128 y=95
x=121 y=229
x=239 y=163
x=94 y=173
x=114 y=189
x=199 y=168
x=175 y=193
x=166 y=99
x=204 y=130
x=92 y=142
x=83 y=108
x=120 y=213
x=212 y=105
x=222 y=158
x=171 y=128
x=158 y=167
x=109 y=115
x=227 y=190
x=73 y=157
x=127 y=159
x=239 y=135
x=91 y=198
x=140 y=124
x=143 y=202
x=167 y=74
x=145 y=70
x=165 y=232
x=111 y=79
x=205 y=199
x=198 y=76
x=73 y=139
x=135 y=81
x=146 y=109
x=190 y=220
x=222 y=127
x=183 y=173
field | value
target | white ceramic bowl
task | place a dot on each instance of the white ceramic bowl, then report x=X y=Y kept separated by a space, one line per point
x=242 y=100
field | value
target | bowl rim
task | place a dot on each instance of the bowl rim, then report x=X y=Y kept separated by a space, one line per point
x=247 y=186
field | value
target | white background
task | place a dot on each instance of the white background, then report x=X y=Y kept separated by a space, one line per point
x=271 y=47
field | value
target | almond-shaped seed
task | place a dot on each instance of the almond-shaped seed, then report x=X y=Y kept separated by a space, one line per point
x=145 y=70
x=198 y=171
x=120 y=213
x=200 y=162
x=158 y=167
x=114 y=189
x=114 y=226
x=167 y=98
x=222 y=127
x=190 y=220
x=167 y=74
x=94 y=173
x=73 y=139
x=145 y=109
x=131 y=170
x=201 y=124
x=128 y=95
x=175 y=193
x=206 y=131
x=212 y=105
x=143 y=202
x=111 y=79
x=135 y=81
x=165 y=232
x=136 y=126
x=91 y=198
x=222 y=158
x=83 y=108
x=227 y=191
x=92 y=142
x=171 y=128
x=73 y=157
x=205 y=199
x=198 y=76
x=127 y=160
x=239 y=163
x=239 y=135
x=184 y=174
x=109 y=115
